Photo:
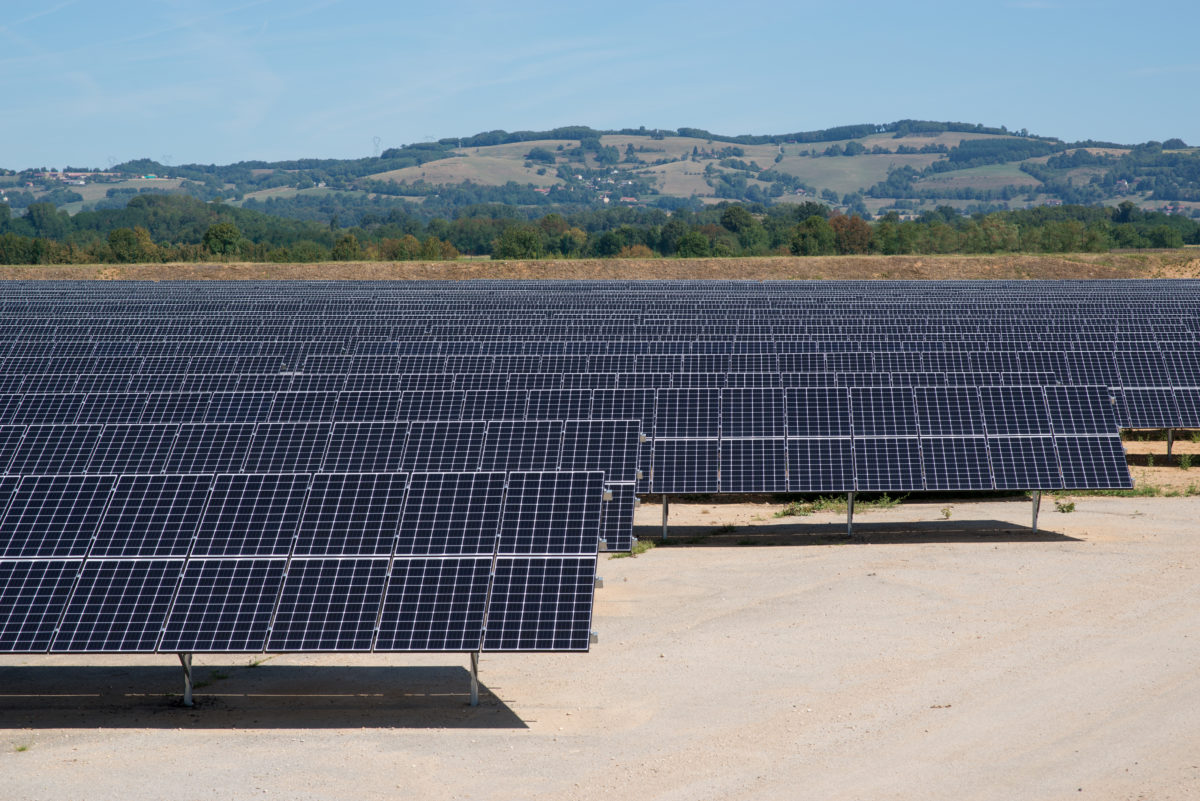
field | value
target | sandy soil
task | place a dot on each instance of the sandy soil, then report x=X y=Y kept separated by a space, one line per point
x=960 y=658
x=1133 y=264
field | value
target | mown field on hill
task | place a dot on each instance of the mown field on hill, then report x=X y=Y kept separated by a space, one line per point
x=1183 y=263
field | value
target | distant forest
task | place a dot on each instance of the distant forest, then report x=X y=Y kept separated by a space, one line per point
x=158 y=228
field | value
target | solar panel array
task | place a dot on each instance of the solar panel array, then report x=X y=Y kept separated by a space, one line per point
x=270 y=450
x=498 y=561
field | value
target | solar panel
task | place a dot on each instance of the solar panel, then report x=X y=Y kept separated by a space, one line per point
x=1024 y=463
x=685 y=466
x=1081 y=410
x=754 y=465
x=452 y=446
x=1093 y=463
x=328 y=605
x=552 y=513
x=251 y=515
x=210 y=448
x=223 y=606
x=956 y=463
x=237 y=407
x=53 y=516
x=151 y=516
x=118 y=606
x=883 y=411
x=434 y=605
x=820 y=465
x=133 y=449
x=541 y=604
x=32 y=598
x=303 y=407
x=949 y=411
x=351 y=515
x=454 y=514
x=366 y=447
x=522 y=445
x=616 y=517
x=754 y=412
x=498 y=404
x=431 y=405
x=888 y=464
x=287 y=447
x=818 y=412
x=690 y=413
x=175 y=407
x=1014 y=411
x=46 y=409
x=611 y=446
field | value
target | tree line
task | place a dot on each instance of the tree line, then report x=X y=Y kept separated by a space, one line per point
x=169 y=228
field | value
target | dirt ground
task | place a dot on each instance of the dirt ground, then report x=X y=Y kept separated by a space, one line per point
x=931 y=658
x=1183 y=263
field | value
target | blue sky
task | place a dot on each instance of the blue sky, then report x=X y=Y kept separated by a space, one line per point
x=87 y=82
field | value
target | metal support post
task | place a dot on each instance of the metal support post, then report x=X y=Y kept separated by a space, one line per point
x=1170 y=441
x=666 y=508
x=1037 y=504
x=849 y=514
x=474 y=678
x=186 y=661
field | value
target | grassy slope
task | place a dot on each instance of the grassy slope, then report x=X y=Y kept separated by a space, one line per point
x=1156 y=264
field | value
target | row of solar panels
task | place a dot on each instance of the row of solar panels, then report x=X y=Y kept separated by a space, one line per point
x=247 y=563
x=669 y=413
x=1146 y=367
x=609 y=446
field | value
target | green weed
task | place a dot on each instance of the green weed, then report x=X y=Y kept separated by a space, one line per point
x=639 y=548
x=1066 y=507
x=1185 y=461
x=946 y=512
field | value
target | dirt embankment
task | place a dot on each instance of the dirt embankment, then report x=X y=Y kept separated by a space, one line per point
x=1142 y=264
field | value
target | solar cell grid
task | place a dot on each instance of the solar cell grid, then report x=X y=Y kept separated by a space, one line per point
x=552 y=513
x=118 y=606
x=132 y=448
x=55 y=449
x=32 y=598
x=685 y=466
x=251 y=515
x=434 y=605
x=287 y=447
x=883 y=411
x=1093 y=463
x=885 y=464
x=754 y=465
x=956 y=463
x=1014 y=411
x=328 y=605
x=444 y=446
x=541 y=604
x=351 y=515
x=151 y=516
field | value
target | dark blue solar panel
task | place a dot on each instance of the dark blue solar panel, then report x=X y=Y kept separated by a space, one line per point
x=1024 y=463
x=210 y=448
x=1093 y=463
x=1014 y=411
x=818 y=412
x=125 y=407
x=616 y=517
x=883 y=411
x=351 y=515
x=431 y=405
x=366 y=447
x=888 y=464
x=10 y=438
x=522 y=445
x=820 y=465
x=451 y=513
x=32 y=598
x=752 y=413
x=251 y=515
x=541 y=604
x=685 y=466
x=329 y=605
x=152 y=516
x=238 y=407
x=175 y=407
x=690 y=413
x=559 y=404
x=55 y=449
x=552 y=513
x=754 y=465
x=133 y=449
x=303 y=407
x=1149 y=408
x=611 y=446
x=444 y=446
x=287 y=447
x=498 y=404
x=434 y=605
x=949 y=411
x=118 y=606
x=956 y=463
x=223 y=606
x=1081 y=410
x=46 y=409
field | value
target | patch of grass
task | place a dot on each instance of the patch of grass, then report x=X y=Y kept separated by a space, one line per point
x=1185 y=461
x=1139 y=491
x=1065 y=507
x=884 y=501
x=795 y=509
x=639 y=548
x=21 y=748
x=946 y=512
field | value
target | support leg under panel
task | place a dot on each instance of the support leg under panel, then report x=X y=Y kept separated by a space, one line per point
x=185 y=660
x=474 y=678
x=1170 y=441
x=666 y=509
x=1037 y=505
x=849 y=514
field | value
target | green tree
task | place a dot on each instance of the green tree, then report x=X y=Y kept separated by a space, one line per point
x=851 y=235
x=693 y=245
x=346 y=249
x=813 y=237
x=519 y=242
x=222 y=239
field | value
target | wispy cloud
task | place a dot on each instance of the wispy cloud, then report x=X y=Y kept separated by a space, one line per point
x=39 y=14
